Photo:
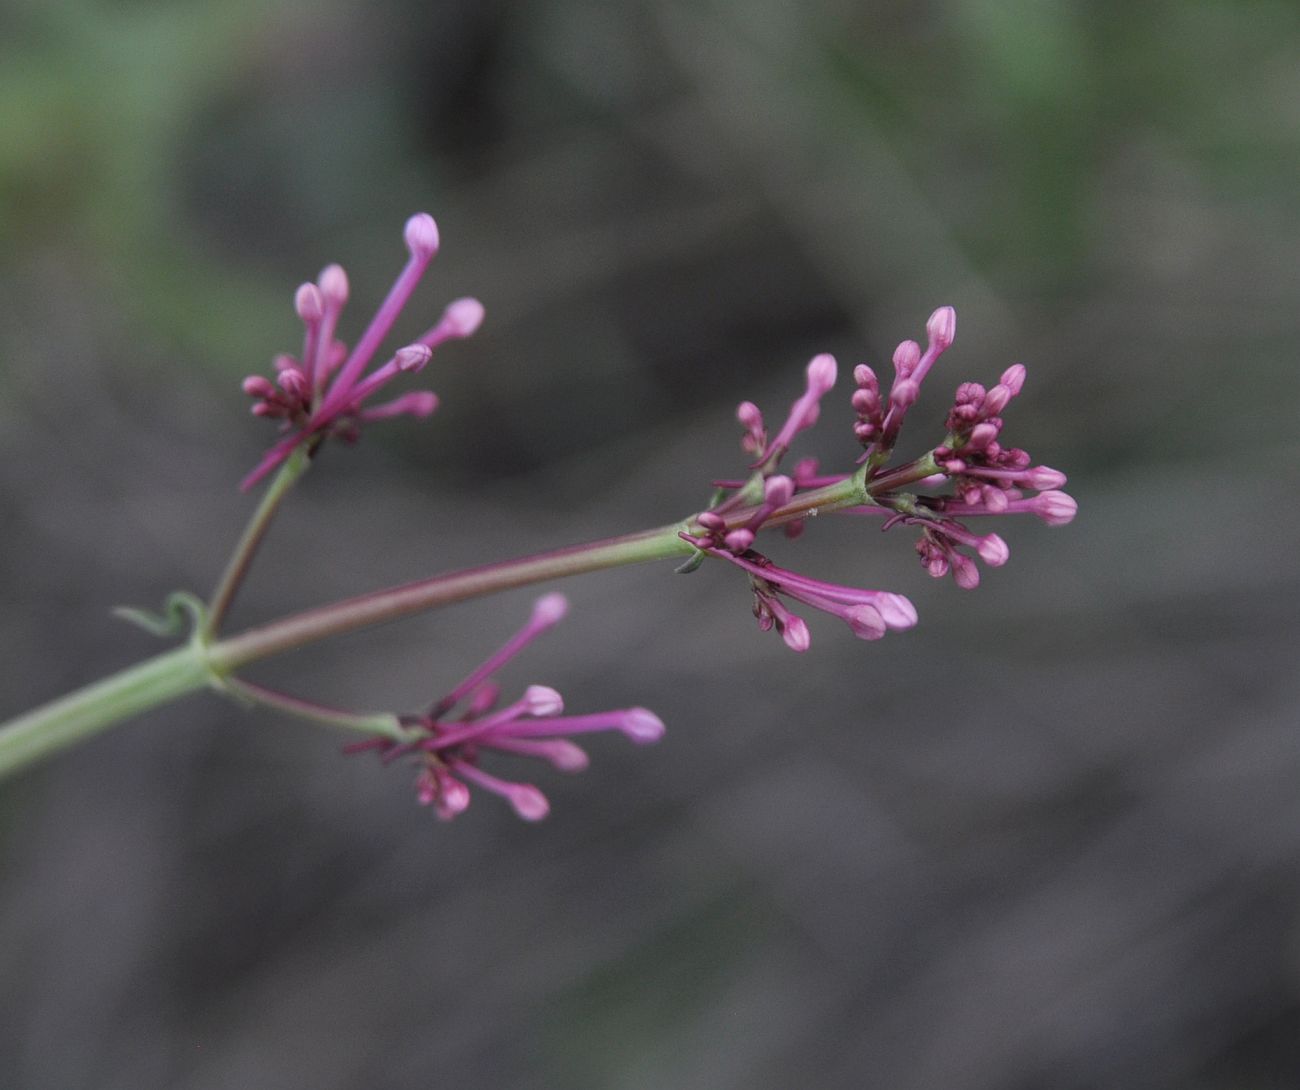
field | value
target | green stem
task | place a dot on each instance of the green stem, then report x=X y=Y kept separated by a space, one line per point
x=83 y=714
x=160 y=680
x=169 y=676
x=240 y=560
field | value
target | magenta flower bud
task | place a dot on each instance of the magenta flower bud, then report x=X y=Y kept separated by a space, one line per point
x=904 y=393
x=794 y=631
x=462 y=318
x=258 y=386
x=421 y=234
x=1054 y=508
x=821 y=373
x=865 y=377
x=293 y=382
x=1013 y=378
x=964 y=572
x=710 y=521
x=333 y=283
x=778 y=490
x=453 y=798
x=1043 y=477
x=996 y=400
x=564 y=755
x=993 y=551
x=549 y=610
x=906 y=356
x=981 y=435
x=994 y=499
x=896 y=609
x=309 y=303
x=642 y=725
x=942 y=328
x=749 y=416
x=529 y=803
x=864 y=401
x=739 y=540
x=413 y=357
x=542 y=700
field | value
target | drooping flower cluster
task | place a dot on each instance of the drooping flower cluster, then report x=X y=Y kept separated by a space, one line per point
x=322 y=392
x=449 y=747
x=981 y=475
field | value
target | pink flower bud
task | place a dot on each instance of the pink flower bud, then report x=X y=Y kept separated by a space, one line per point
x=749 y=416
x=309 y=304
x=1013 y=378
x=981 y=435
x=906 y=356
x=412 y=358
x=993 y=551
x=542 y=700
x=964 y=572
x=529 y=803
x=462 y=317
x=739 y=540
x=795 y=633
x=821 y=373
x=333 y=283
x=1043 y=477
x=942 y=328
x=258 y=386
x=896 y=609
x=421 y=234
x=865 y=621
x=996 y=400
x=778 y=490
x=549 y=610
x=1055 y=508
x=642 y=725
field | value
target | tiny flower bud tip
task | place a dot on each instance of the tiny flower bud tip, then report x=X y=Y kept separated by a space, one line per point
x=996 y=400
x=463 y=317
x=542 y=700
x=906 y=356
x=1055 y=508
x=1044 y=477
x=897 y=610
x=421 y=235
x=309 y=303
x=942 y=327
x=550 y=609
x=529 y=803
x=413 y=357
x=821 y=373
x=964 y=572
x=981 y=435
x=258 y=386
x=333 y=283
x=795 y=634
x=778 y=490
x=749 y=415
x=739 y=540
x=642 y=725
x=454 y=799
x=1013 y=378
x=866 y=622
x=993 y=551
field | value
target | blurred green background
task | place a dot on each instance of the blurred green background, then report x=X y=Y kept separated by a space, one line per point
x=1049 y=838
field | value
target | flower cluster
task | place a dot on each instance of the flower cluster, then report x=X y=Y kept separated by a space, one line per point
x=322 y=392
x=969 y=473
x=449 y=747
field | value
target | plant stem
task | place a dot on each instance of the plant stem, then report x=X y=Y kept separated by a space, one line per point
x=240 y=560
x=167 y=677
x=82 y=714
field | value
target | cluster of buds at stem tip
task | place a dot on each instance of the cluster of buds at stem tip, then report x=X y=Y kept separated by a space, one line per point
x=323 y=391
x=449 y=741
x=969 y=473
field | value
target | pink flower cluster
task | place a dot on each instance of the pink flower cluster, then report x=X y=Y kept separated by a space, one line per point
x=322 y=391
x=982 y=477
x=449 y=748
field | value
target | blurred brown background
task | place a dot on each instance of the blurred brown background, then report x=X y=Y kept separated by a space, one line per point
x=1049 y=838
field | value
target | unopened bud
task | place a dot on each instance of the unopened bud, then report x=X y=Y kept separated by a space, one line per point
x=542 y=700
x=309 y=304
x=906 y=356
x=942 y=327
x=421 y=235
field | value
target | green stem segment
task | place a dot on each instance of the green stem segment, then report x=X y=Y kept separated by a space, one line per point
x=204 y=662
